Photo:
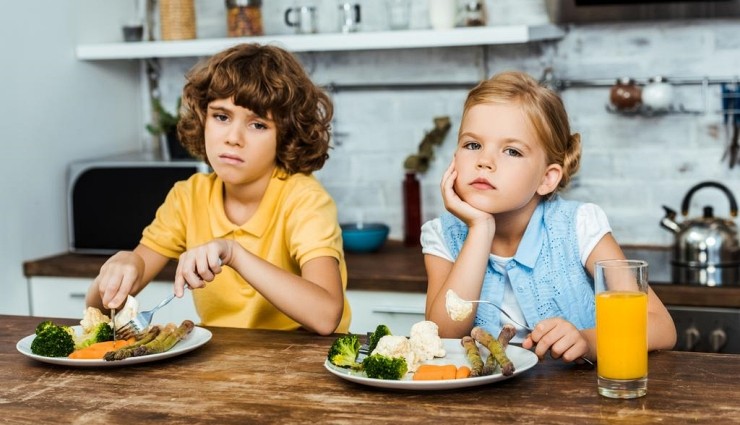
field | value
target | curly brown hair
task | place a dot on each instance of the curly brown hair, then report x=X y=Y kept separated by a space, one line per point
x=266 y=80
x=545 y=111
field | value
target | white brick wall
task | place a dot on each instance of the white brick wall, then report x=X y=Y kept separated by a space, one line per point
x=631 y=165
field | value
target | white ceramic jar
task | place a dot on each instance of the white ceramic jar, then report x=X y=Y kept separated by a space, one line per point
x=443 y=14
x=657 y=95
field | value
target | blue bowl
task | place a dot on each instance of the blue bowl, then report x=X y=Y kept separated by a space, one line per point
x=367 y=237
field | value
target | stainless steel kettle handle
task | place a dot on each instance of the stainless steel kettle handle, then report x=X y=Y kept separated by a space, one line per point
x=720 y=186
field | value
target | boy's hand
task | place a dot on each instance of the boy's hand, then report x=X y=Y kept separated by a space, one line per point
x=117 y=278
x=201 y=264
x=559 y=337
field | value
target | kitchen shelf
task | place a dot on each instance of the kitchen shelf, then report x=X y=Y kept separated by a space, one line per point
x=380 y=40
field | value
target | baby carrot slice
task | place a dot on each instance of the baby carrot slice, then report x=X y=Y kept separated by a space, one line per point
x=462 y=372
x=433 y=372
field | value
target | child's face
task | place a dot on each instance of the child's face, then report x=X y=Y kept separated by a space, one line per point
x=499 y=161
x=241 y=146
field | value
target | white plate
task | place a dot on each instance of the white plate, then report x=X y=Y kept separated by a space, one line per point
x=195 y=339
x=522 y=359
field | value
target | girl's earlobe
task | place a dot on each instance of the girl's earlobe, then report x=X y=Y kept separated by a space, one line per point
x=551 y=179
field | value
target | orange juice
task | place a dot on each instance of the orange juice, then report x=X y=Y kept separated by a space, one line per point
x=621 y=334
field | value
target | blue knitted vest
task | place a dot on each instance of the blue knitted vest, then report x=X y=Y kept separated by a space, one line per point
x=546 y=273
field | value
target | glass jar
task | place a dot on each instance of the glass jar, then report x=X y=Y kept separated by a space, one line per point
x=474 y=15
x=244 y=18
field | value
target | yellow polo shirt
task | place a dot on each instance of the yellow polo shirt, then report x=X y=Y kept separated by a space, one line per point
x=295 y=222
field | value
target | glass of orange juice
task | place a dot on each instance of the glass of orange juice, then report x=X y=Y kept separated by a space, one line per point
x=621 y=327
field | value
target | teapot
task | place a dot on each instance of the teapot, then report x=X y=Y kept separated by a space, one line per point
x=706 y=250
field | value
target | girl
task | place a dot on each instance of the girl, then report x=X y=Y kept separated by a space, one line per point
x=260 y=230
x=509 y=238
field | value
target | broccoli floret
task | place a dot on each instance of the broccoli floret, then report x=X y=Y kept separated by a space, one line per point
x=344 y=350
x=380 y=332
x=44 y=325
x=52 y=341
x=100 y=333
x=379 y=366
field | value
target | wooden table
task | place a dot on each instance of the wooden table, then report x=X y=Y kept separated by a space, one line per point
x=249 y=376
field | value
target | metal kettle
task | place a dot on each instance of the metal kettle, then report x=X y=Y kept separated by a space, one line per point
x=706 y=250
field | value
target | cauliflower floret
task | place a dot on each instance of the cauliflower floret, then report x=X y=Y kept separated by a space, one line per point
x=457 y=308
x=425 y=341
x=397 y=346
x=92 y=318
x=127 y=313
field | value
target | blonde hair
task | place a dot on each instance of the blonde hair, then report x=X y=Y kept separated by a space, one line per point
x=545 y=111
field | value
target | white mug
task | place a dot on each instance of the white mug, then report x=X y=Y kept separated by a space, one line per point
x=349 y=17
x=304 y=20
x=443 y=14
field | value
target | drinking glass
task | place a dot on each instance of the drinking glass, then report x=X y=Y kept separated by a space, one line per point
x=399 y=14
x=621 y=327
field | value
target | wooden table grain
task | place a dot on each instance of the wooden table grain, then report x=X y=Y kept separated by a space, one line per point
x=252 y=376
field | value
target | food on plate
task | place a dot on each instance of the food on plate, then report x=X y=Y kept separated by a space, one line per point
x=344 y=351
x=397 y=346
x=379 y=366
x=472 y=353
x=127 y=313
x=462 y=372
x=53 y=340
x=494 y=346
x=425 y=341
x=422 y=345
x=457 y=308
x=390 y=354
x=128 y=351
x=507 y=332
x=380 y=331
x=97 y=350
x=168 y=336
x=433 y=372
x=96 y=327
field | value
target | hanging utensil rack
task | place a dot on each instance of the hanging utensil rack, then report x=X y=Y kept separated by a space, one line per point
x=551 y=80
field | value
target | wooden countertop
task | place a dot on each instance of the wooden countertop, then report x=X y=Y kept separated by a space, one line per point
x=251 y=376
x=394 y=268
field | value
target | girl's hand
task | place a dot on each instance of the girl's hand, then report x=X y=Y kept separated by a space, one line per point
x=558 y=336
x=456 y=205
x=201 y=264
x=117 y=278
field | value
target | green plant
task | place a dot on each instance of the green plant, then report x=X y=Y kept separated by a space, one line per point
x=420 y=161
x=164 y=121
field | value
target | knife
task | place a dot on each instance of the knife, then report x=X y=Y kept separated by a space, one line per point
x=113 y=323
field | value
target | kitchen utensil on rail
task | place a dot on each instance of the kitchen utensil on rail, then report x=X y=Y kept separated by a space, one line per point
x=625 y=95
x=730 y=94
x=657 y=95
x=706 y=249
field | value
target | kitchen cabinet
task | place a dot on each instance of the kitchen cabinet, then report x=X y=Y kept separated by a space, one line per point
x=65 y=297
x=398 y=310
x=379 y=40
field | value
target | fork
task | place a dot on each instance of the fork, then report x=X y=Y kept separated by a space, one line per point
x=516 y=322
x=136 y=326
